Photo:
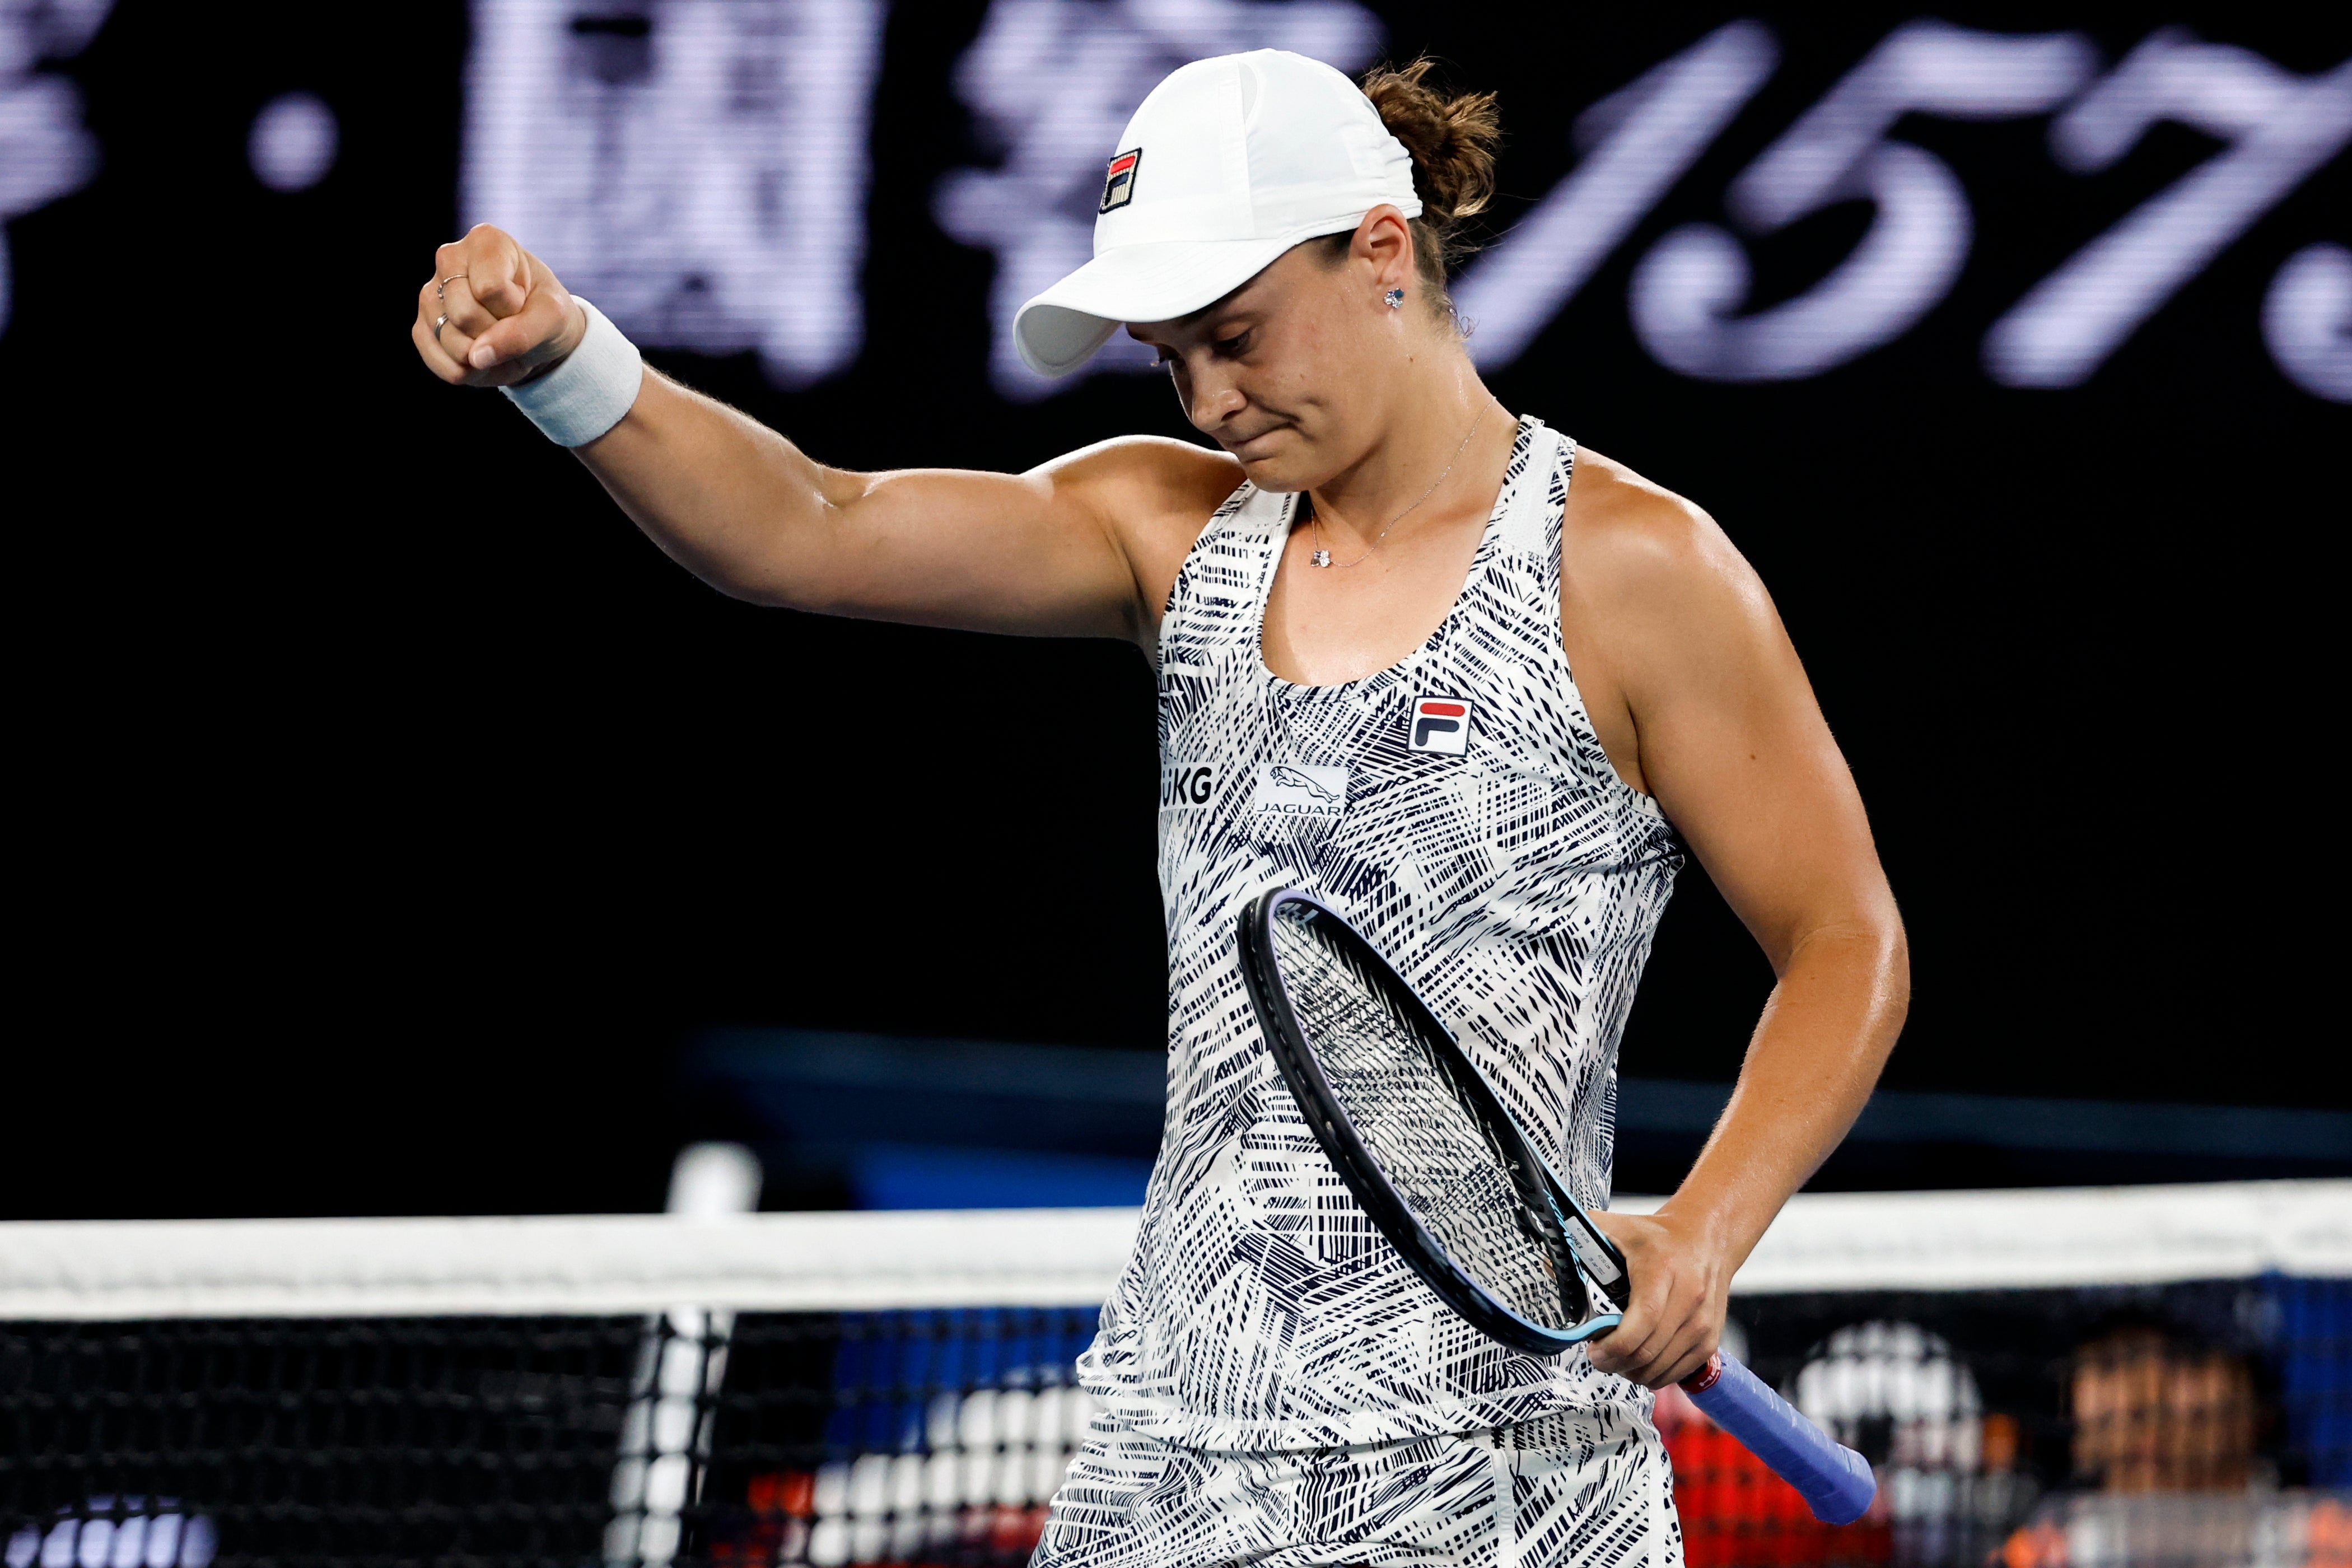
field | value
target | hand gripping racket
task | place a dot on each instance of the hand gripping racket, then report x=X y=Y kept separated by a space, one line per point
x=1438 y=1163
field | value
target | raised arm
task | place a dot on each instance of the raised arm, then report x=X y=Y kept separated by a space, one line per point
x=1084 y=546
x=1711 y=712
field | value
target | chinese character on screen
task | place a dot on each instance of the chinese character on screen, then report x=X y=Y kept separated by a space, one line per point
x=697 y=168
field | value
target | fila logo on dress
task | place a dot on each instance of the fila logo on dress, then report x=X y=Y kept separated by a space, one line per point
x=1440 y=724
x=1118 y=183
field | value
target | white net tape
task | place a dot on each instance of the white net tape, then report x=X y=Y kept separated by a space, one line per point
x=791 y=1262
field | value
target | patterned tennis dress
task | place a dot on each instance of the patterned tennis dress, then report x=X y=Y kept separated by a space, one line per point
x=1277 y=1386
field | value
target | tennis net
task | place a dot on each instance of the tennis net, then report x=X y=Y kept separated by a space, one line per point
x=2043 y=1380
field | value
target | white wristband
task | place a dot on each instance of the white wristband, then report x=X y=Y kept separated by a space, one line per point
x=589 y=390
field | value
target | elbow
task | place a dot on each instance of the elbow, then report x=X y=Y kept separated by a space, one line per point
x=751 y=589
x=1885 y=948
x=1866 y=955
x=1880 y=930
x=1888 y=968
x=750 y=586
x=1894 y=979
x=1872 y=937
x=771 y=582
x=817 y=565
x=1883 y=936
x=738 y=569
x=808 y=597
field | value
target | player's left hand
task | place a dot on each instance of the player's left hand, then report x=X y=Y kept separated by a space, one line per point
x=1682 y=1282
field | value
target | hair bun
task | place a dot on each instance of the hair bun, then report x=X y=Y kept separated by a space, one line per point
x=1452 y=140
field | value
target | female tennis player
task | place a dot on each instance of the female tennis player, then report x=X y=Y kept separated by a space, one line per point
x=1472 y=685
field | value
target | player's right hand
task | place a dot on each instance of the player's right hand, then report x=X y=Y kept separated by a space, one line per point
x=1682 y=1288
x=492 y=314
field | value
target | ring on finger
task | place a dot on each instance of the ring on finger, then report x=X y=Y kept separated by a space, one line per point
x=440 y=322
x=445 y=282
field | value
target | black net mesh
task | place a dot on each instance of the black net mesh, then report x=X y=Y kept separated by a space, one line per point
x=2192 y=1426
x=1402 y=1102
x=690 y=1437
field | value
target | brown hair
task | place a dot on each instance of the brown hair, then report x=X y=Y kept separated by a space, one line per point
x=1453 y=142
x=2152 y=1414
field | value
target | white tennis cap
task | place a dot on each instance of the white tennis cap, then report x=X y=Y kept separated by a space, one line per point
x=1228 y=163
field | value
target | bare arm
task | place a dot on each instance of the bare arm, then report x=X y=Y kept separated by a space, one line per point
x=1084 y=546
x=1047 y=551
x=1715 y=716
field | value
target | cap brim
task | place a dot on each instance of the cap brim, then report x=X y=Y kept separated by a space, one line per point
x=1061 y=329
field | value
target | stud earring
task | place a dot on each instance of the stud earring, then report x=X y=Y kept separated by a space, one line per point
x=1396 y=297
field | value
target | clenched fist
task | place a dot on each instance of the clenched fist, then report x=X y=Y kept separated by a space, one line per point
x=492 y=314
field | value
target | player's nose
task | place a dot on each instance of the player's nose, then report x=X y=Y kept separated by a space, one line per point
x=1214 y=400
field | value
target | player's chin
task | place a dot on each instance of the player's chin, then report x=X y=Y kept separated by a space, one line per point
x=1281 y=478
x=1278 y=461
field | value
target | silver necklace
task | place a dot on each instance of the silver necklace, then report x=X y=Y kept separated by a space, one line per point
x=1322 y=557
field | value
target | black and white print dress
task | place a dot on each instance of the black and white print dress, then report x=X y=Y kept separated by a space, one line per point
x=1459 y=809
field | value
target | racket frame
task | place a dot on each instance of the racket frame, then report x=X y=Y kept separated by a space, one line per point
x=1386 y=1207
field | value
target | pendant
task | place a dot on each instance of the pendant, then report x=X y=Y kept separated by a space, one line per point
x=1320 y=558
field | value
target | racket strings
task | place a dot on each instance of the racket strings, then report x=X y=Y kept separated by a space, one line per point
x=1413 y=1116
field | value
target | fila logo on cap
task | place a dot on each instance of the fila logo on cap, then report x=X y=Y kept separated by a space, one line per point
x=1118 y=184
x=1440 y=724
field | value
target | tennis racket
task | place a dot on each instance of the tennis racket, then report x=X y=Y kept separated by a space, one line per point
x=1438 y=1163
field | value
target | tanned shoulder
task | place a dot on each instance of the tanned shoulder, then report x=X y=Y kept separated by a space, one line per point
x=1153 y=496
x=1653 y=597
x=1627 y=542
x=1629 y=535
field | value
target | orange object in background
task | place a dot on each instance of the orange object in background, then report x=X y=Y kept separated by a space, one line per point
x=2328 y=1537
x=782 y=1502
x=2037 y=1545
x=1736 y=1513
x=789 y=1493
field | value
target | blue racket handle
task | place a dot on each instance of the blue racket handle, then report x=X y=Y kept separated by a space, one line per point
x=1833 y=1479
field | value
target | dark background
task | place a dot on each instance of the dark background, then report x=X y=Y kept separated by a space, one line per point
x=392 y=817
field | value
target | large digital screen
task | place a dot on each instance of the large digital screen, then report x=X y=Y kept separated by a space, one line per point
x=703 y=166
